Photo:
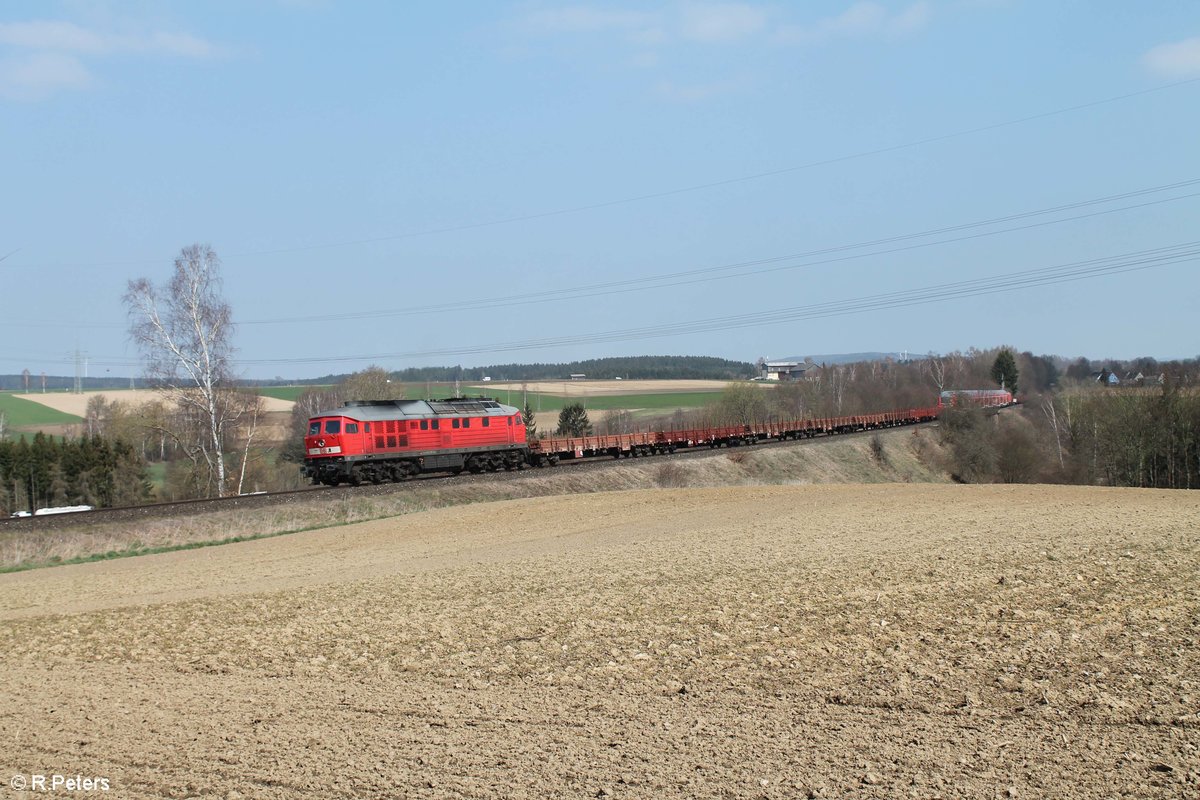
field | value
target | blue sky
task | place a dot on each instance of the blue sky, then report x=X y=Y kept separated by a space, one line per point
x=481 y=183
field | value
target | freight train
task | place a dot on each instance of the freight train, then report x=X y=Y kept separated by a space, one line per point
x=976 y=397
x=375 y=441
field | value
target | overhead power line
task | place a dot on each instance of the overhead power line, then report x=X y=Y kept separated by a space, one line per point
x=743 y=269
x=1088 y=269
x=1007 y=282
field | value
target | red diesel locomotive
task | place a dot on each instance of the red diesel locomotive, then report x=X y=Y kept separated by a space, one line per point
x=378 y=440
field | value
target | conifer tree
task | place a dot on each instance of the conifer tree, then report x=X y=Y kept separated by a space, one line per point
x=573 y=420
x=1004 y=370
x=530 y=422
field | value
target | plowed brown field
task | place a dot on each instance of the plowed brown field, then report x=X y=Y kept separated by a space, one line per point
x=784 y=641
x=77 y=403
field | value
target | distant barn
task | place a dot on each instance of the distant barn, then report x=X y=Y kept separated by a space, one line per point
x=785 y=370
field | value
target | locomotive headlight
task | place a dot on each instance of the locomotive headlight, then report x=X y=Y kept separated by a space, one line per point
x=320 y=442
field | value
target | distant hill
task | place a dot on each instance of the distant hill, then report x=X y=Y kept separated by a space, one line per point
x=849 y=358
x=632 y=367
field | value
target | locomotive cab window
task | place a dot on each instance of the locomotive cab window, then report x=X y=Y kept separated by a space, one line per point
x=314 y=428
x=333 y=426
x=366 y=427
x=351 y=427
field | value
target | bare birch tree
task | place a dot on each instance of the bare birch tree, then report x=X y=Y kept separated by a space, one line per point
x=184 y=331
x=1051 y=412
x=937 y=371
x=252 y=407
x=839 y=378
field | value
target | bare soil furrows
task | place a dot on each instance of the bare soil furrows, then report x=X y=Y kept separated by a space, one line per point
x=781 y=641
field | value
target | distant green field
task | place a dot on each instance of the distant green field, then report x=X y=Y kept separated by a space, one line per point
x=661 y=401
x=665 y=401
x=26 y=413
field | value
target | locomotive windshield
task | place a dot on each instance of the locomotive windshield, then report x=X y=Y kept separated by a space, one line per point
x=333 y=426
x=314 y=427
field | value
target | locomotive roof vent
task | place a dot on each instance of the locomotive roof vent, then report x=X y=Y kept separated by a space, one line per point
x=460 y=405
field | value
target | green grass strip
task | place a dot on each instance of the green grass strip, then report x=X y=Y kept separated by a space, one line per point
x=23 y=413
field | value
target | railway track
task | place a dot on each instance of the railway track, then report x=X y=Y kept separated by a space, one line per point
x=184 y=508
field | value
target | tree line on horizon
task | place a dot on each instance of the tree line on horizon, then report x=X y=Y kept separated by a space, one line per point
x=625 y=367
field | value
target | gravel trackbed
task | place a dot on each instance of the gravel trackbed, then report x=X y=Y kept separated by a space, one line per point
x=784 y=641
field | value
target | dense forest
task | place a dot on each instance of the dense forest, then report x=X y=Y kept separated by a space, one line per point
x=89 y=470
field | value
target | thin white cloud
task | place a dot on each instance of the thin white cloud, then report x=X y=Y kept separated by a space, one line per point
x=686 y=22
x=183 y=45
x=911 y=20
x=717 y=22
x=51 y=35
x=585 y=19
x=1174 y=60
x=862 y=20
x=67 y=37
x=53 y=55
x=34 y=76
x=649 y=40
x=722 y=22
